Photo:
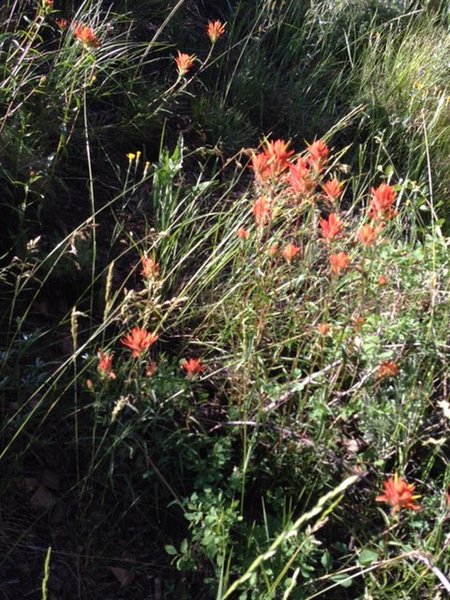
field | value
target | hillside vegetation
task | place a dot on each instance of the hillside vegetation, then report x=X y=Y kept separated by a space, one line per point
x=224 y=289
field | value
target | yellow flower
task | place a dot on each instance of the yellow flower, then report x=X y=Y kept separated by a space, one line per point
x=131 y=156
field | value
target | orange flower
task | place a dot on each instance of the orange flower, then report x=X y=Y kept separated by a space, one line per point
x=261 y=167
x=184 y=62
x=151 y=368
x=62 y=23
x=382 y=280
x=323 y=328
x=150 y=268
x=300 y=177
x=339 y=262
x=331 y=228
x=272 y=161
x=262 y=211
x=47 y=5
x=138 y=341
x=290 y=252
x=398 y=494
x=215 y=30
x=318 y=153
x=332 y=189
x=104 y=366
x=273 y=249
x=277 y=152
x=367 y=235
x=85 y=35
x=193 y=366
x=388 y=369
x=381 y=204
x=243 y=234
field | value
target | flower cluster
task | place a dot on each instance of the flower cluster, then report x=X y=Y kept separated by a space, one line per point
x=286 y=180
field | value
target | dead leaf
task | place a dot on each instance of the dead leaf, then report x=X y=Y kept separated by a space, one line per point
x=123 y=576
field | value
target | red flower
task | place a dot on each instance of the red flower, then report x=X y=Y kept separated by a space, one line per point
x=243 y=234
x=381 y=204
x=104 y=366
x=278 y=155
x=339 y=262
x=388 y=369
x=331 y=228
x=262 y=211
x=150 y=268
x=184 y=62
x=290 y=252
x=272 y=161
x=367 y=235
x=332 y=189
x=193 y=366
x=62 y=23
x=86 y=35
x=47 y=5
x=138 y=341
x=300 y=177
x=318 y=153
x=398 y=494
x=215 y=30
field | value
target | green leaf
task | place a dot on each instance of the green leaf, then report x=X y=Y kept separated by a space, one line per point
x=343 y=580
x=367 y=557
x=170 y=550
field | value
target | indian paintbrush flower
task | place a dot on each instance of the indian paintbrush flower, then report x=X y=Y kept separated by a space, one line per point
x=85 y=35
x=184 y=62
x=262 y=211
x=367 y=235
x=104 y=365
x=138 y=341
x=331 y=227
x=318 y=154
x=243 y=234
x=339 y=262
x=398 y=494
x=381 y=203
x=192 y=367
x=150 y=268
x=332 y=189
x=215 y=30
